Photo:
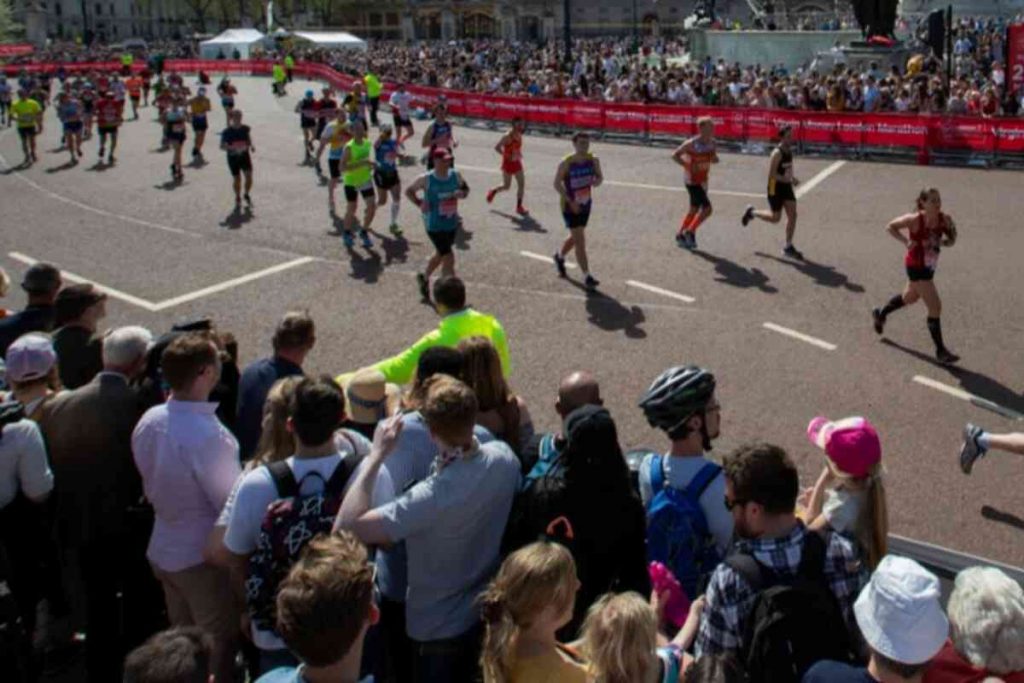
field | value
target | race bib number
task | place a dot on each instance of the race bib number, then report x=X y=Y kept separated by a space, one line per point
x=178 y=127
x=583 y=195
x=931 y=259
x=391 y=158
x=448 y=207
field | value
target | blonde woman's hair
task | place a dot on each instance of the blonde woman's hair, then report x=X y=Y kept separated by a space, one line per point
x=620 y=639
x=872 y=529
x=986 y=619
x=276 y=442
x=530 y=580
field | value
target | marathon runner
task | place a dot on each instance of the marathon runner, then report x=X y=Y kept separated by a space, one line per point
x=781 y=196
x=88 y=98
x=401 y=113
x=28 y=114
x=358 y=165
x=227 y=94
x=69 y=111
x=385 y=175
x=306 y=109
x=236 y=140
x=146 y=74
x=174 y=133
x=325 y=111
x=355 y=104
x=109 y=114
x=442 y=189
x=578 y=174
x=928 y=229
x=510 y=147
x=439 y=135
x=134 y=87
x=335 y=136
x=199 y=107
x=5 y=102
x=696 y=156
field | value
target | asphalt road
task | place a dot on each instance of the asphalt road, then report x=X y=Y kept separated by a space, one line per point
x=174 y=251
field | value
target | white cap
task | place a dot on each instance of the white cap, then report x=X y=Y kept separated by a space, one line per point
x=899 y=613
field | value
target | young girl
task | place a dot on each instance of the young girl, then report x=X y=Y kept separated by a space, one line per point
x=528 y=601
x=620 y=640
x=849 y=496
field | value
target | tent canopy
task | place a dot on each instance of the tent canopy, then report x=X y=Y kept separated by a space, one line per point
x=334 y=39
x=241 y=39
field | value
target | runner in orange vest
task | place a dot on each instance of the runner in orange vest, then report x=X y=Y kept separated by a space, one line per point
x=696 y=156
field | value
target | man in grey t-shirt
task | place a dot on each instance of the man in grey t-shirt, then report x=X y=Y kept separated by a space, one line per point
x=452 y=524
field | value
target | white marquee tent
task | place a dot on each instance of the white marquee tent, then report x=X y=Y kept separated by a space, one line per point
x=241 y=39
x=332 y=39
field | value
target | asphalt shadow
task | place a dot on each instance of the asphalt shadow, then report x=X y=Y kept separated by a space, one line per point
x=364 y=268
x=170 y=185
x=735 y=275
x=973 y=382
x=826 y=276
x=66 y=166
x=608 y=313
x=14 y=169
x=996 y=515
x=525 y=223
x=237 y=218
x=462 y=237
x=396 y=249
x=99 y=166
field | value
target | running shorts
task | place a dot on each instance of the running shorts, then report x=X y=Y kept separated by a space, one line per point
x=228 y=102
x=27 y=132
x=173 y=137
x=352 y=192
x=783 y=193
x=399 y=122
x=698 y=196
x=511 y=167
x=576 y=220
x=385 y=179
x=199 y=123
x=112 y=130
x=334 y=165
x=306 y=123
x=920 y=274
x=239 y=162
x=443 y=240
x=73 y=127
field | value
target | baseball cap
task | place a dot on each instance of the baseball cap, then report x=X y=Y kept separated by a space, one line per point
x=41 y=278
x=31 y=356
x=850 y=443
x=309 y=93
x=73 y=300
x=899 y=613
x=441 y=153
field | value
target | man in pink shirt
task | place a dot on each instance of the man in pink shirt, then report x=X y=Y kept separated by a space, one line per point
x=189 y=462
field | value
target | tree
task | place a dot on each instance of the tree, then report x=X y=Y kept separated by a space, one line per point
x=9 y=28
x=200 y=10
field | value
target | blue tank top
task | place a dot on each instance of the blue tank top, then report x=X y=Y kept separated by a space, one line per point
x=387 y=155
x=580 y=178
x=70 y=112
x=442 y=135
x=442 y=214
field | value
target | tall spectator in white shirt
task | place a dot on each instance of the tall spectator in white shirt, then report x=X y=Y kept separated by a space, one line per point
x=189 y=461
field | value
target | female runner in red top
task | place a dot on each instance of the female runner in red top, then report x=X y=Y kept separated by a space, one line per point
x=928 y=229
x=510 y=147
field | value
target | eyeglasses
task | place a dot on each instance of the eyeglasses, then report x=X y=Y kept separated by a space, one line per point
x=730 y=504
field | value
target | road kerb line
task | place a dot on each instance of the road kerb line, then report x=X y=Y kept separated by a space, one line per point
x=804 y=188
x=110 y=291
x=659 y=290
x=546 y=259
x=813 y=341
x=234 y=282
x=967 y=396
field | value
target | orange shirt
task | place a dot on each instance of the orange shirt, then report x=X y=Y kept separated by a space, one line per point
x=134 y=86
x=700 y=158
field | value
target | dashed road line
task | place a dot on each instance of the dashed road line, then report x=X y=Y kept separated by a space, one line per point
x=804 y=188
x=959 y=393
x=659 y=290
x=813 y=341
x=546 y=259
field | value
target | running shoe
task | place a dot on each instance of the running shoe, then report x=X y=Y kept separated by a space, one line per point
x=560 y=264
x=521 y=210
x=248 y=200
x=365 y=239
x=748 y=216
x=946 y=357
x=691 y=240
x=792 y=252
x=348 y=239
x=971 y=450
x=878 y=319
x=490 y=195
x=111 y=159
x=424 y=285
x=591 y=282
x=395 y=230
x=101 y=153
x=681 y=240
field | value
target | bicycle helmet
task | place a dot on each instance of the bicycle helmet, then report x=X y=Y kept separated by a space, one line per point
x=675 y=396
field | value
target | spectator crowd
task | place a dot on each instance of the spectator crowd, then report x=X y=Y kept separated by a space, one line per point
x=196 y=522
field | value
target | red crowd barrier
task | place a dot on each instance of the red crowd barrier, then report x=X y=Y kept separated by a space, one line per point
x=909 y=133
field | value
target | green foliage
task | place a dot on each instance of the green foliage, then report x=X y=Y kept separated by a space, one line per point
x=9 y=28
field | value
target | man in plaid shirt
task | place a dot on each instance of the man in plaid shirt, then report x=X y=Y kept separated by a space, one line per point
x=761 y=488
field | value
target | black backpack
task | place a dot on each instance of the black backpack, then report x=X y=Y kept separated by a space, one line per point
x=796 y=621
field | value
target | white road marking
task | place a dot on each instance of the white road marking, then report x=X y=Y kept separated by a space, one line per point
x=659 y=290
x=804 y=188
x=813 y=341
x=546 y=259
x=228 y=284
x=956 y=392
x=620 y=183
x=110 y=291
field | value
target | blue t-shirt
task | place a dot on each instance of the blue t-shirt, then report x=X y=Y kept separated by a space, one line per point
x=253 y=387
x=292 y=674
x=837 y=672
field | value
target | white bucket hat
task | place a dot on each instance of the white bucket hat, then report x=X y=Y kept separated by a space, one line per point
x=899 y=613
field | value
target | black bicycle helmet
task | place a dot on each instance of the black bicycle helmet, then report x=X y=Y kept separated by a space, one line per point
x=676 y=395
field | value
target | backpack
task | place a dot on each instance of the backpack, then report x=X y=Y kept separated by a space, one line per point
x=677 y=530
x=549 y=462
x=796 y=621
x=288 y=525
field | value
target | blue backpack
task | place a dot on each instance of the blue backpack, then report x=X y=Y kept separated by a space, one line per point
x=549 y=462
x=677 y=531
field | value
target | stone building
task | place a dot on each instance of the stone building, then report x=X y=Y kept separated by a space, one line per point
x=108 y=20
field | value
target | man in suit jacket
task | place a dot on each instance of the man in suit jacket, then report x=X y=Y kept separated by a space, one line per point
x=88 y=434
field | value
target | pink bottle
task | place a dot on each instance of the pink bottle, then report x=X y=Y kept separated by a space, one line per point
x=677 y=607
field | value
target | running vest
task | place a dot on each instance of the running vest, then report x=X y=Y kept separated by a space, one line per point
x=387 y=155
x=175 y=121
x=442 y=214
x=441 y=135
x=700 y=162
x=199 y=107
x=70 y=111
x=512 y=153
x=785 y=166
x=580 y=178
x=925 y=243
x=337 y=137
x=358 y=151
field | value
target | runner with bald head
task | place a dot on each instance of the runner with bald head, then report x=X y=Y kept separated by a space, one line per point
x=577 y=389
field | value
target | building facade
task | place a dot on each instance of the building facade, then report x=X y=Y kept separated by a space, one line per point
x=109 y=21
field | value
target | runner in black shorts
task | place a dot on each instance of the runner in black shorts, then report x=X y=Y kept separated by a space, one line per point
x=236 y=140
x=306 y=109
x=385 y=175
x=781 y=196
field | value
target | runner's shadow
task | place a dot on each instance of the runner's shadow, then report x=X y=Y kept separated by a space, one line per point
x=996 y=515
x=14 y=169
x=99 y=166
x=525 y=223
x=396 y=249
x=66 y=166
x=236 y=219
x=169 y=186
x=198 y=162
x=735 y=275
x=462 y=237
x=826 y=276
x=608 y=313
x=972 y=382
x=364 y=268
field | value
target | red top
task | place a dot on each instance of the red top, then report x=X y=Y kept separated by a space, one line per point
x=108 y=112
x=949 y=667
x=923 y=250
x=698 y=168
x=512 y=152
